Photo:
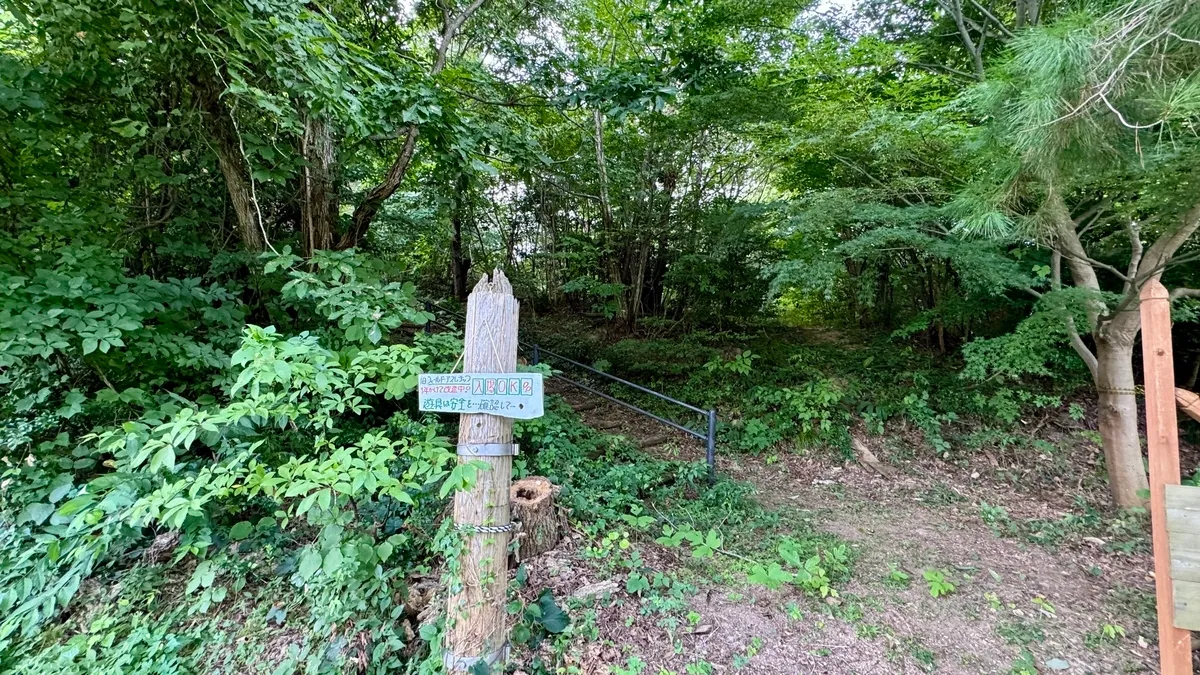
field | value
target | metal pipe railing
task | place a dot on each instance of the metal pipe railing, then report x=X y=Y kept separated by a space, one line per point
x=647 y=413
x=627 y=383
x=710 y=438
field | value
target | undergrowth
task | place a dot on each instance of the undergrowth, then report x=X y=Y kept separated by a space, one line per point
x=776 y=388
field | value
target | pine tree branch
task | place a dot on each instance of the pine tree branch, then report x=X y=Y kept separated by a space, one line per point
x=998 y=23
x=1104 y=266
x=952 y=71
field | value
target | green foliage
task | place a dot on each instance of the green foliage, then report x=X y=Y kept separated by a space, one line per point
x=604 y=297
x=703 y=545
x=539 y=620
x=811 y=573
x=1123 y=533
x=1035 y=348
x=1107 y=634
x=1025 y=664
x=897 y=578
x=266 y=438
x=939 y=586
x=244 y=424
x=1021 y=633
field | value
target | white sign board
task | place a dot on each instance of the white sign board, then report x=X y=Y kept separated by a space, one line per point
x=516 y=395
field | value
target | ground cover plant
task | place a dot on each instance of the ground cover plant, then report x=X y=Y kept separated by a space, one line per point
x=896 y=246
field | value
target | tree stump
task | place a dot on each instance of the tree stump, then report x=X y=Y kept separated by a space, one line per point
x=532 y=501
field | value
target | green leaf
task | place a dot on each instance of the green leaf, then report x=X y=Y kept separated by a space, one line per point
x=60 y=486
x=90 y=345
x=554 y=620
x=163 y=459
x=35 y=513
x=773 y=576
x=310 y=562
x=241 y=530
x=484 y=167
x=384 y=551
x=306 y=504
x=333 y=561
x=636 y=583
x=203 y=576
x=713 y=540
x=76 y=504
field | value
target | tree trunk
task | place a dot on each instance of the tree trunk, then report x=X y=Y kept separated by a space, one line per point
x=532 y=501
x=459 y=263
x=223 y=135
x=319 y=210
x=606 y=215
x=368 y=208
x=1119 y=422
x=633 y=305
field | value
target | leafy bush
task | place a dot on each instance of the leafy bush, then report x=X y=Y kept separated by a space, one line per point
x=290 y=437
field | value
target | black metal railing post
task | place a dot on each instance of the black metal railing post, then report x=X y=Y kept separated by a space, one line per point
x=712 y=446
x=537 y=355
x=428 y=322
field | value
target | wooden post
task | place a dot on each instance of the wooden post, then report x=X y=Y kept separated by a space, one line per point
x=1162 y=440
x=476 y=620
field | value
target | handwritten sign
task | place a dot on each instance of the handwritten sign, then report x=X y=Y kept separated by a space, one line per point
x=516 y=395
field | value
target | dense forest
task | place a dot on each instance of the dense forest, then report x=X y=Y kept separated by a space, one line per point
x=916 y=225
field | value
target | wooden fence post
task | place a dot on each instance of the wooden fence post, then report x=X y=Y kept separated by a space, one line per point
x=1162 y=440
x=476 y=620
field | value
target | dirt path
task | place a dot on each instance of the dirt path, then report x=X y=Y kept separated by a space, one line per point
x=1015 y=605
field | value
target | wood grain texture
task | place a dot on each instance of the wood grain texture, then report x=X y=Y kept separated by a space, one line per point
x=476 y=616
x=1187 y=609
x=1188 y=403
x=1162 y=438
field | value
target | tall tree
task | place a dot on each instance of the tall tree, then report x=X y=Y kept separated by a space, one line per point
x=1090 y=134
x=372 y=201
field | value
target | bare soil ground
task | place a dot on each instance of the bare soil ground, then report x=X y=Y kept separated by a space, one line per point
x=1016 y=604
